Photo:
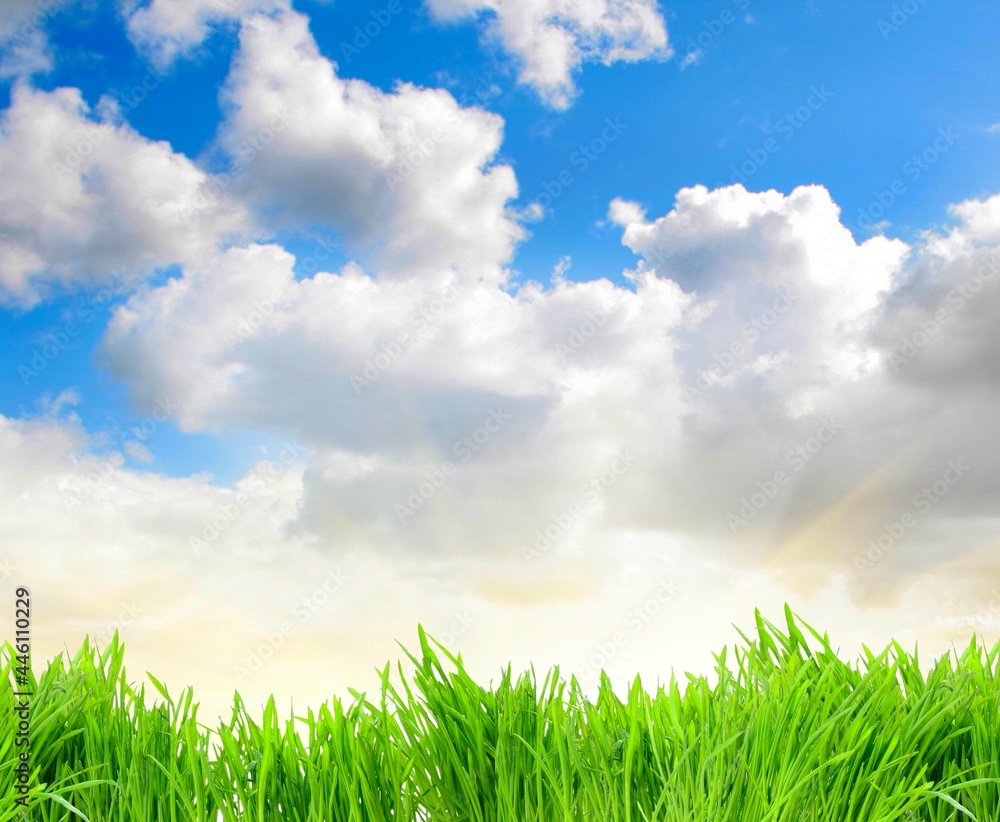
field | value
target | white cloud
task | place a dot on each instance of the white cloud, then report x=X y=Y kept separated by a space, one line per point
x=137 y=451
x=24 y=43
x=240 y=342
x=26 y=55
x=938 y=330
x=692 y=58
x=463 y=338
x=409 y=173
x=16 y=17
x=19 y=18
x=552 y=39
x=742 y=250
x=83 y=197
x=979 y=222
x=584 y=370
x=864 y=344
x=167 y=30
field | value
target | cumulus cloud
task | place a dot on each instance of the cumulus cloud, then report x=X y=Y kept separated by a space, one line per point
x=552 y=39
x=827 y=395
x=979 y=224
x=409 y=173
x=399 y=372
x=743 y=251
x=85 y=196
x=938 y=331
x=748 y=341
x=167 y=30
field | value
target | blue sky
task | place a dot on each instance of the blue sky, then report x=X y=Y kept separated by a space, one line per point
x=616 y=190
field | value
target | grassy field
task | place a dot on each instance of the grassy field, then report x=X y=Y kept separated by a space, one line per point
x=785 y=731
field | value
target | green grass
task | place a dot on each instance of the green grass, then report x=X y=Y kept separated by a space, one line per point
x=786 y=730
